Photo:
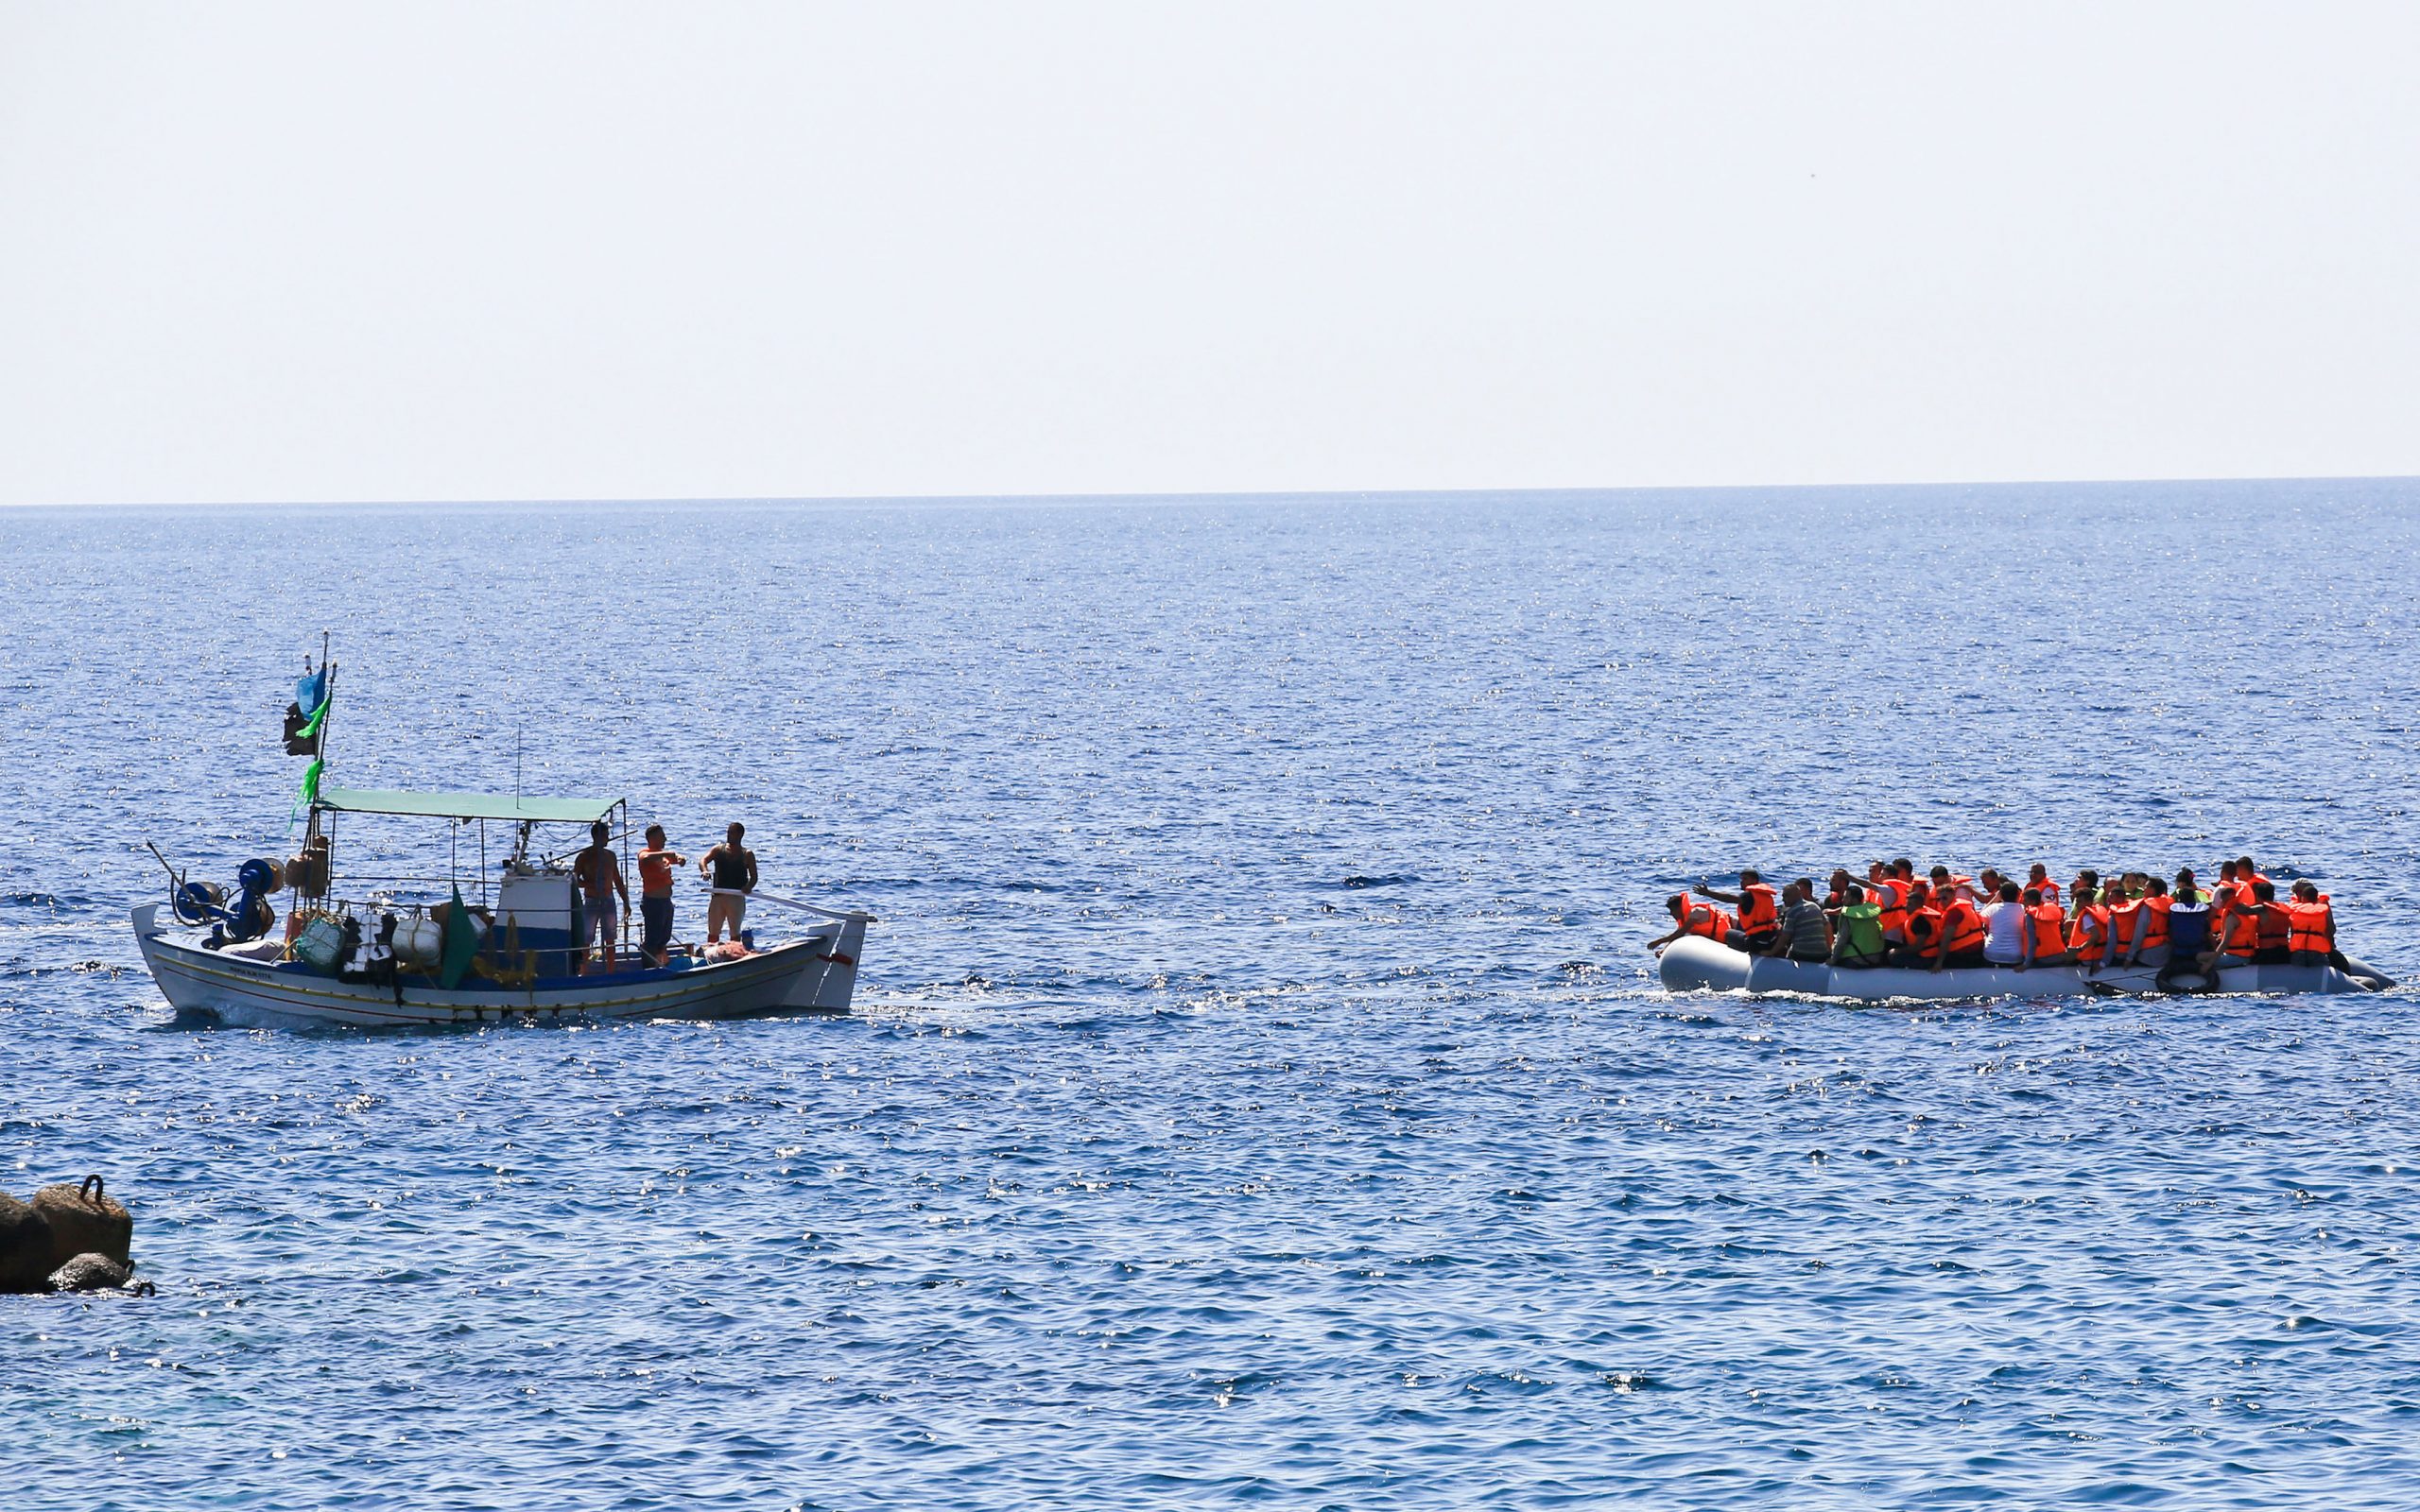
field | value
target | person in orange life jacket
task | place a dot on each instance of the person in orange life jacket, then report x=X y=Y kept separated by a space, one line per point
x=1759 y=918
x=1803 y=932
x=1920 y=927
x=2235 y=927
x=2086 y=880
x=2038 y=879
x=1961 y=935
x=1690 y=917
x=2147 y=943
x=1946 y=886
x=2272 y=928
x=2088 y=932
x=1889 y=891
x=2237 y=879
x=2004 y=925
x=2311 y=938
x=2046 y=935
x=1988 y=884
x=2123 y=915
x=1837 y=898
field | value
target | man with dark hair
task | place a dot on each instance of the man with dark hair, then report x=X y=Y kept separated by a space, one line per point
x=1759 y=919
x=655 y=896
x=603 y=895
x=731 y=869
x=1804 y=934
x=1858 y=939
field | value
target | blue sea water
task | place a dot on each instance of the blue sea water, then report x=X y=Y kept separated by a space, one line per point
x=1260 y=1093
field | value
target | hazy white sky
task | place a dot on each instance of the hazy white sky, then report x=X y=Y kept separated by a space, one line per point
x=494 y=251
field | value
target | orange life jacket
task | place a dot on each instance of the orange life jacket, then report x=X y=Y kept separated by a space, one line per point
x=2154 y=921
x=2309 y=930
x=1703 y=919
x=1890 y=894
x=2049 y=889
x=1757 y=913
x=2088 y=937
x=1923 y=926
x=2241 y=936
x=2275 y=926
x=2049 y=925
x=1961 y=927
x=2123 y=919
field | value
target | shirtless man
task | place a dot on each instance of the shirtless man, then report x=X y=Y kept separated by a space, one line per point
x=603 y=895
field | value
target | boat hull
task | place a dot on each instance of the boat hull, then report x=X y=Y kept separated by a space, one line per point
x=816 y=975
x=1693 y=962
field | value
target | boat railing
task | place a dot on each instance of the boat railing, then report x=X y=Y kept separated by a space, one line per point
x=846 y=917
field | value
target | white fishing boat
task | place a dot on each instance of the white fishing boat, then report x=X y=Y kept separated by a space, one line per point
x=503 y=943
x=1693 y=962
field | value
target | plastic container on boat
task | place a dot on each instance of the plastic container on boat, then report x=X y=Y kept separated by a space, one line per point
x=420 y=944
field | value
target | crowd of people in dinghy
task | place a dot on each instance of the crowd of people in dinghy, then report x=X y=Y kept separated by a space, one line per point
x=1947 y=920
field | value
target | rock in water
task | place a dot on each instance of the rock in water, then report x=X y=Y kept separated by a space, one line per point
x=25 y=1247
x=84 y=1220
x=91 y=1273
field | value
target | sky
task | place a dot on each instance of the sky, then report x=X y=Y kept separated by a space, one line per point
x=291 y=252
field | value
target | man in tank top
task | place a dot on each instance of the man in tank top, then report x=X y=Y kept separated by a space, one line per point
x=731 y=869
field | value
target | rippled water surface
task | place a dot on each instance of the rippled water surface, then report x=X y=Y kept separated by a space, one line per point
x=1260 y=1092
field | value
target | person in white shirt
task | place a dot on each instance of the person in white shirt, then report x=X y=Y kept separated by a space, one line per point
x=2004 y=927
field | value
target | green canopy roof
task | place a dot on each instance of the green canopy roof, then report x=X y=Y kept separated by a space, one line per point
x=467 y=805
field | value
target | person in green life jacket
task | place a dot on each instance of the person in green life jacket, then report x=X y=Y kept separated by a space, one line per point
x=1856 y=933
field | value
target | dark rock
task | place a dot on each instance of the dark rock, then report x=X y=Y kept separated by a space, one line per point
x=91 y=1273
x=84 y=1220
x=25 y=1247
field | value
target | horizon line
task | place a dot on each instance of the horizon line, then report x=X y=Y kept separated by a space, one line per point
x=1191 y=495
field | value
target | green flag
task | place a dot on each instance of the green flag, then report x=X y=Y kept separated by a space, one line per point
x=461 y=942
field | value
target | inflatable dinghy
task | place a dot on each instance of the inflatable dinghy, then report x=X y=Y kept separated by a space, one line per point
x=1694 y=961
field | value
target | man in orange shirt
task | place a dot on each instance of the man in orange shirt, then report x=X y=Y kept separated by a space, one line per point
x=655 y=896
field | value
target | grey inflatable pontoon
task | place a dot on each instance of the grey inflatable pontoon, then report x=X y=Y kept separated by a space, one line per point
x=1694 y=962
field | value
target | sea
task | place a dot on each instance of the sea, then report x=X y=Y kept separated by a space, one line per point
x=1259 y=1091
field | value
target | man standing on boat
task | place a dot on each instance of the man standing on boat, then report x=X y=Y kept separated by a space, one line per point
x=731 y=868
x=603 y=894
x=655 y=896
